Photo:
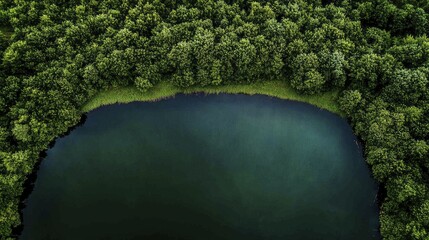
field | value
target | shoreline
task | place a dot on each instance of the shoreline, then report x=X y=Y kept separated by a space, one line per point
x=122 y=95
x=278 y=89
x=30 y=180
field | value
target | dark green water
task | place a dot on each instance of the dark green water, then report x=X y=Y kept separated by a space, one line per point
x=205 y=167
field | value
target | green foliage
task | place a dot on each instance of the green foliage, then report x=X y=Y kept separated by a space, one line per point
x=143 y=84
x=306 y=77
x=400 y=18
x=371 y=71
x=349 y=101
x=62 y=53
x=334 y=65
x=407 y=87
x=21 y=132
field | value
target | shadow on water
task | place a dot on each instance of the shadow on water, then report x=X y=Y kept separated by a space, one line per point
x=32 y=177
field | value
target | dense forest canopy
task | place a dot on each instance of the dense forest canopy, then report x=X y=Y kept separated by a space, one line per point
x=63 y=52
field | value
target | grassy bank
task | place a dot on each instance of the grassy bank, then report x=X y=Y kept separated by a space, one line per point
x=272 y=88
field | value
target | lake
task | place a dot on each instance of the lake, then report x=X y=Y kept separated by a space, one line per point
x=198 y=167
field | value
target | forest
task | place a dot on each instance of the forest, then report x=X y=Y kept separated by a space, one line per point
x=57 y=54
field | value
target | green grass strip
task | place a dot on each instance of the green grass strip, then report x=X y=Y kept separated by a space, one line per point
x=277 y=89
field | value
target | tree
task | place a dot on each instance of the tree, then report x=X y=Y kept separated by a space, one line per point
x=419 y=150
x=181 y=57
x=143 y=18
x=260 y=14
x=21 y=132
x=349 y=101
x=306 y=77
x=17 y=162
x=143 y=84
x=407 y=87
x=378 y=39
x=372 y=71
x=333 y=67
x=411 y=51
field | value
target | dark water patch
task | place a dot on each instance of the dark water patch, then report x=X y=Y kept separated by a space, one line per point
x=205 y=167
x=30 y=180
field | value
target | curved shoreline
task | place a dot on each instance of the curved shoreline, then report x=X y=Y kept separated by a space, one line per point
x=202 y=95
x=164 y=91
x=28 y=185
x=278 y=89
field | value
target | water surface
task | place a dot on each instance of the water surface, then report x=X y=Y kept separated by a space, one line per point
x=205 y=167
